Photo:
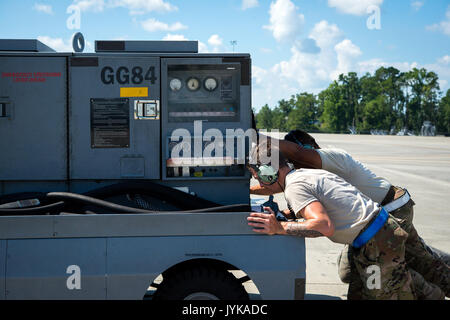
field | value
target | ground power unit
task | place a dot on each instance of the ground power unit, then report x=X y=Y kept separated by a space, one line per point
x=123 y=176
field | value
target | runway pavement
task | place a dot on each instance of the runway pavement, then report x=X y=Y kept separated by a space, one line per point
x=420 y=164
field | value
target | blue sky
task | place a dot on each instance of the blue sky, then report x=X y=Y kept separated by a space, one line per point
x=296 y=45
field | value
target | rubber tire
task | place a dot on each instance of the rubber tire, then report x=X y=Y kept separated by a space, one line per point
x=220 y=283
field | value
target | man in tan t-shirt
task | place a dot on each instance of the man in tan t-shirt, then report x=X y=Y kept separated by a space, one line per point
x=303 y=151
x=334 y=208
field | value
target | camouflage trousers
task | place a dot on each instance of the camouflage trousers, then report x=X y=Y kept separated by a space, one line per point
x=430 y=274
x=381 y=265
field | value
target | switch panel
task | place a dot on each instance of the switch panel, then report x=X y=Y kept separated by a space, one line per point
x=146 y=109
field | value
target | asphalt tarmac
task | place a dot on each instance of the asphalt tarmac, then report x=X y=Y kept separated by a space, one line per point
x=419 y=164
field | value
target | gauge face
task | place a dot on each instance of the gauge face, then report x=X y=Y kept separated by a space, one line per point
x=175 y=84
x=210 y=84
x=193 y=84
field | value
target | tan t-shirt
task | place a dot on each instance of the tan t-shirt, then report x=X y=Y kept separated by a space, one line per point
x=348 y=209
x=341 y=163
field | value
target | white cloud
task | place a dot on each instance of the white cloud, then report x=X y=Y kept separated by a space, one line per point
x=442 y=69
x=268 y=88
x=259 y=74
x=445 y=60
x=57 y=44
x=326 y=34
x=202 y=47
x=143 y=6
x=45 y=8
x=170 y=36
x=215 y=40
x=347 y=54
x=305 y=70
x=247 y=4
x=61 y=45
x=90 y=5
x=216 y=44
x=416 y=5
x=313 y=73
x=443 y=26
x=285 y=21
x=373 y=64
x=354 y=7
x=152 y=25
x=134 y=6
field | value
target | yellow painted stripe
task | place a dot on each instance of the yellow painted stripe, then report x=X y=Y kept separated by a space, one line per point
x=134 y=92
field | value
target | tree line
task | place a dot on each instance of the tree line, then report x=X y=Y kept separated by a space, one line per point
x=388 y=101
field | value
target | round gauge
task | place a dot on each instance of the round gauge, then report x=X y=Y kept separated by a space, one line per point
x=210 y=84
x=193 y=84
x=175 y=84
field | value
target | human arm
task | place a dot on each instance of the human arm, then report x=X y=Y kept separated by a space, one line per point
x=317 y=223
x=260 y=190
x=288 y=214
x=300 y=157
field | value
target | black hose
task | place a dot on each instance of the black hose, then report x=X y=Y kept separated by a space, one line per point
x=176 y=197
x=124 y=209
x=63 y=198
x=79 y=198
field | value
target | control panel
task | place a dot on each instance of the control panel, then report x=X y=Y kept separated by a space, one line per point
x=202 y=103
x=203 y=92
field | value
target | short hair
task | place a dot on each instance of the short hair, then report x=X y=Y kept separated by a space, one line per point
x=301 y=136
x=263 y=152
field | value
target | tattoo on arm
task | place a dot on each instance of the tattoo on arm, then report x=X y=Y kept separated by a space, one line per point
x=299 y=229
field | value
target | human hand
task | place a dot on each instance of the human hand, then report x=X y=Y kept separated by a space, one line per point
x=265 y=222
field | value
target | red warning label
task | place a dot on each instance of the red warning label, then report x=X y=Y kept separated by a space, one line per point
x=30 y=76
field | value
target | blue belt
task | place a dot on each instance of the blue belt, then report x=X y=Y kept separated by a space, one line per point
x=372 y=229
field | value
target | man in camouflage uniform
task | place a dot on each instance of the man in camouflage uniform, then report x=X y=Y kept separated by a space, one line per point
x=385 y=250
x=427 y=267
x=429 y=271
x=348 y=274
x=332 y=207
